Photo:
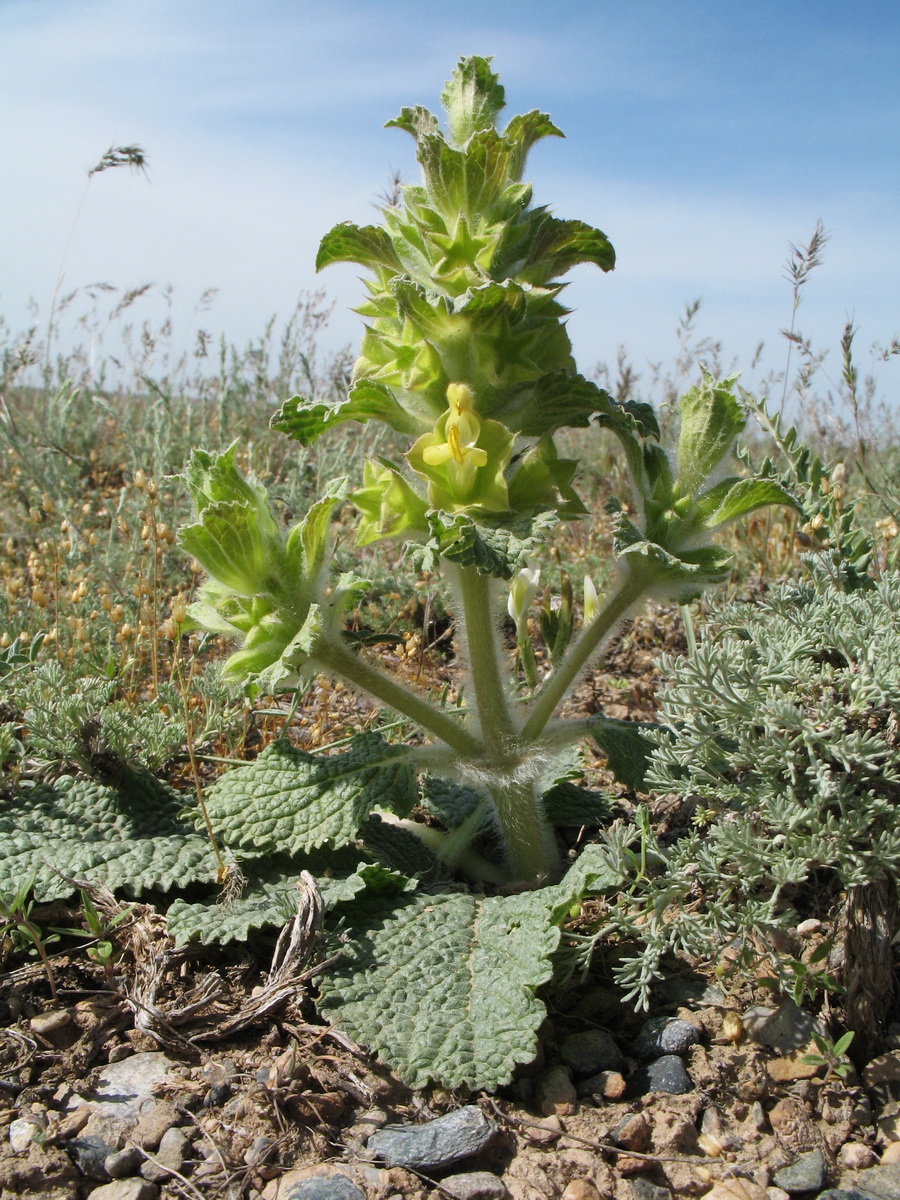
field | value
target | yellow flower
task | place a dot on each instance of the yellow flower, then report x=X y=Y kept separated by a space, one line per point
x=462 y=430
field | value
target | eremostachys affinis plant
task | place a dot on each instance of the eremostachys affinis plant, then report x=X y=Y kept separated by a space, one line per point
x=466 y=356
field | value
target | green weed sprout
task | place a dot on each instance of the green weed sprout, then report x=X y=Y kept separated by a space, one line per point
x=467 y=358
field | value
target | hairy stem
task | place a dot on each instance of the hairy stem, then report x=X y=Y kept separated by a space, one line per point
x=495 y=722
x=530 y=845
x=551 y=695
x=334 y=657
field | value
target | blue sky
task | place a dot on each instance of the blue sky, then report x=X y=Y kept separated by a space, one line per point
x=703 y=136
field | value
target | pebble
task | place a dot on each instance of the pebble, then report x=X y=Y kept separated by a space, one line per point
x=643 y=1189
x=123 y=1163
x=782 y=1029
x=90 y=1154
x=217 y=1095
x=153 y=1125
x=891 y=1153
x=545 y=1131
x=843 y=1194
x=856 y=1156
x=608 y=1084
x=808 y=1173
x=665 y=1035
x=580 y=1189
x=555 y=1093
x=47 y=1022
x=590 y=1052
x=436 y=1144
x=789 y=1067
x=633 y=1133
x=883 y=1069
x=807 y=928
x=324 y=1187
x=21 y=1134
x=666 y=1074
x=126 y=1189
x=476 y=1185
x=882 y=1182
x=173 y=1149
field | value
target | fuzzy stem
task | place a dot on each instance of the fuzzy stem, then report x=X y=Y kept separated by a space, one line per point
x=495 y=722
x=334 y=657
x=470 y=863
x=530 y=845
x=551 y=695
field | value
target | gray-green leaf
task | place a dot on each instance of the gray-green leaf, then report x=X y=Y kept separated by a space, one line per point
x=128 y=837
x=291 y=802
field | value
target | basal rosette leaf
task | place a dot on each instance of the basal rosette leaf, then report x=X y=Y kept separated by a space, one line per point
x=293 y=802
x=130 y=836
x=443 y=987
x=627 y=748
x=267 y=900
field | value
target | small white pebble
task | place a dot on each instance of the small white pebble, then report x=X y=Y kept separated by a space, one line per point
x=808 y=928
x=857 y=1156
x=46 y=1022
x=21 y=1134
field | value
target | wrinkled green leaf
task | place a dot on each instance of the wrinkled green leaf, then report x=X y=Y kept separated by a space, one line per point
x=443 y=986
x=130 y=836
x=472 y=97
x=368 y=400
x=368 y=245
x=626 y=746
x=734 y=498
x=290 y=801
x=711 y=418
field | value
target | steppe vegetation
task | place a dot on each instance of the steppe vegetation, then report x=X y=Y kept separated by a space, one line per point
x=354 y=680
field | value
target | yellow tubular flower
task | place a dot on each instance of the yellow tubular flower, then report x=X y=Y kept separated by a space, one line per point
x=461 y=429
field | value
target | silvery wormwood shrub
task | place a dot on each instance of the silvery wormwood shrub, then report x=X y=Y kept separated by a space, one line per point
x=782 y=729
x=465 y=356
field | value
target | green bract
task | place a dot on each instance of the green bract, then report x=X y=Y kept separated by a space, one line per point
x=464 y=302
x=266 y=586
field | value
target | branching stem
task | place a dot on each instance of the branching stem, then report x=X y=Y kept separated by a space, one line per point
x=633 y=587
x=332 y=656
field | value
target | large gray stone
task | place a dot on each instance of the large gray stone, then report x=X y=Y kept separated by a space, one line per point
x=592 y=1051
x=325 y=1187
x=475 y=1185
x=125 y=1088
x=782 y=1029
x=665 y=1035
x=882 y=1182
x=436 y=1144
x=666 y=1074
x=808 y=1173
